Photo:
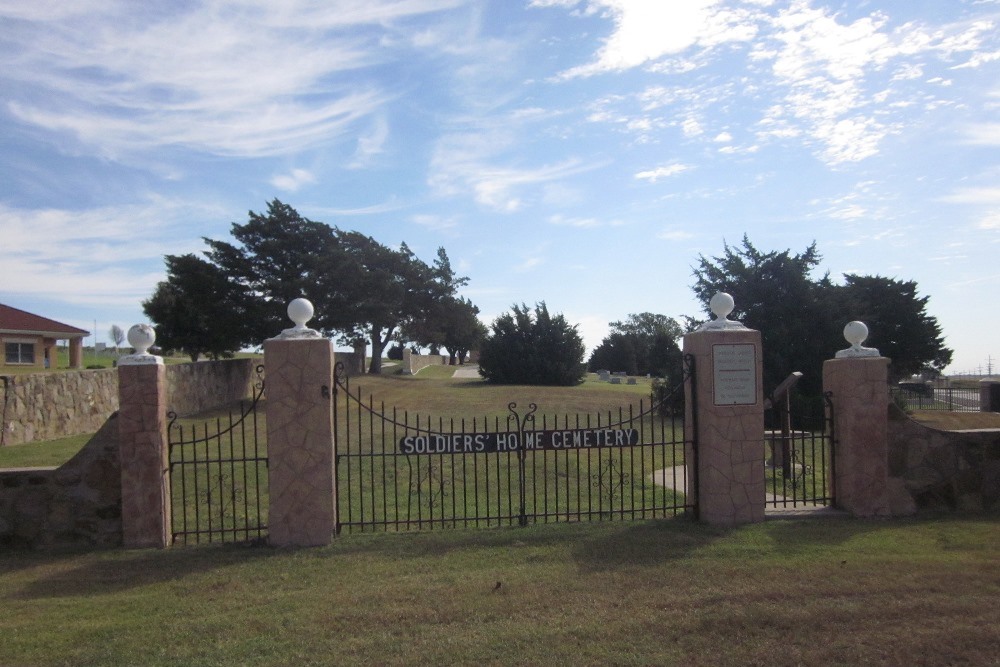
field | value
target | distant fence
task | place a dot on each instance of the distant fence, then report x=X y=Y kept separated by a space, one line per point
x=953 y=399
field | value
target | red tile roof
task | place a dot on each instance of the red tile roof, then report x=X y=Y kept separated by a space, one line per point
x=13 y=320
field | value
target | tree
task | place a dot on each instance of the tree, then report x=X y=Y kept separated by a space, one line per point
x=463 y=332
x=898 y=323
x=117 y=336
x=451 y=323
x=526 y=348
x=390 y=288
x=280 y=256
x=775 y=293
x=645 y=343
x=198 y=309
x=801 y=318
x=360 y=288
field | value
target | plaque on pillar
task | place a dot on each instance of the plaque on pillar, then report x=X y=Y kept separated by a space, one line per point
x=735 y=374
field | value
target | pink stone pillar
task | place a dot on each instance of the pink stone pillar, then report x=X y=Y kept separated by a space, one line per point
x=142 y=433
x=300 y=447
x=860 y=396
x=725 y=417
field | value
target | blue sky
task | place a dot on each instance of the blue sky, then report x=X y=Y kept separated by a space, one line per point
x=577 y=152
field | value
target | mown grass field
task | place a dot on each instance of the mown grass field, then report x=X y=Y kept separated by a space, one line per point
x=668 y=592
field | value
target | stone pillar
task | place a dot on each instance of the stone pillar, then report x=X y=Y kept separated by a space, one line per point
x=75 y=353
x=300 y=447
x=142 y=434
x=725 y=417
x=989 y=396
x=858 y=383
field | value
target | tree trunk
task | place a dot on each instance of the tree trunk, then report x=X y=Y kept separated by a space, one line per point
x=375 y=365
x=378 y=344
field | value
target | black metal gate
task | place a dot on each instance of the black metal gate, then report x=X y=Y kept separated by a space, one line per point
x=800 y=453
x=402 y=471
x=218 y=475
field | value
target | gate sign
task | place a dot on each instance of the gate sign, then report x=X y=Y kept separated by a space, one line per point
x=480 y=443
x=735 y=374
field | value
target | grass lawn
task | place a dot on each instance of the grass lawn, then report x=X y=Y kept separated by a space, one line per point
x=42 y=454
x=818 y=592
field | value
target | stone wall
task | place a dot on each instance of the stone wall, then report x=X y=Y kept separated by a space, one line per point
x=44 y=406
x=76 y=504
x=931 y=469
x=414 y=362
x=192 y=388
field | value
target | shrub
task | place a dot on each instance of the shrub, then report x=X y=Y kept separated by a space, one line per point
x=538 y=348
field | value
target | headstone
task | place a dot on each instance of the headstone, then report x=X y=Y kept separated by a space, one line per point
x=631 y=381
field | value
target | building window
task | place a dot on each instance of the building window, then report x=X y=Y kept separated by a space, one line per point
x=20 y=353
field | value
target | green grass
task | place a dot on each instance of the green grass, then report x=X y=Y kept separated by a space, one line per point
x=819 y=592
x=42 y=454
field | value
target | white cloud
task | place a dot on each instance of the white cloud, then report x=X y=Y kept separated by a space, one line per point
x=666 y=171
x=982 y=195
x=436 y=223
x=646 y=31
x=674 y=235
x=294 y=180
x=371 y=143
x=826 y=63
x=983 y=134
x=582 y=223
x=467 y=164
x=990 y=222
x=90 y=256
x=227 y=78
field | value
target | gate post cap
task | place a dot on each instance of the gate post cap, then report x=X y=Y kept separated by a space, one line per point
x=856 y=333
x=721 y=305
x=299 y=311
x=141 y=337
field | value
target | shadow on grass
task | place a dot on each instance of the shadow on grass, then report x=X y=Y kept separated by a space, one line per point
x=76 y=574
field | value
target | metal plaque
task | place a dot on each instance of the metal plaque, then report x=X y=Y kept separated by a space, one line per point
x=735 y=374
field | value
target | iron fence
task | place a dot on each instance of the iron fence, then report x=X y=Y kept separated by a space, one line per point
x=800 y=455
x=401 y=471
x=218 y=475
x=938 y=396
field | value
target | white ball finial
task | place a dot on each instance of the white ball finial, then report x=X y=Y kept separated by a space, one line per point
x=141 y=337
x=721 y=305
x=856 y=333
x=299 y=311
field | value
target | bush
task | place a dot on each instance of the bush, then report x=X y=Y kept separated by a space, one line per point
x=526 y=348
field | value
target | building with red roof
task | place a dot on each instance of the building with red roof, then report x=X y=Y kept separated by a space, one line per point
x=30 y=340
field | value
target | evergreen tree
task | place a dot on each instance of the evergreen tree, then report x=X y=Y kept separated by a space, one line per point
x=532 y=348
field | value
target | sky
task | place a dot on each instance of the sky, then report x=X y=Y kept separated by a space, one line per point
x=584 y=153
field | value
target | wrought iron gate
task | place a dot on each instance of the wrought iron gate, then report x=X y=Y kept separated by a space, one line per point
x=800 y=453
x=402 y=471
x=218 y=475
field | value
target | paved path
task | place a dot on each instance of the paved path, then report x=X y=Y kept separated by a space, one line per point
x=467 y=372
x=673 y=478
